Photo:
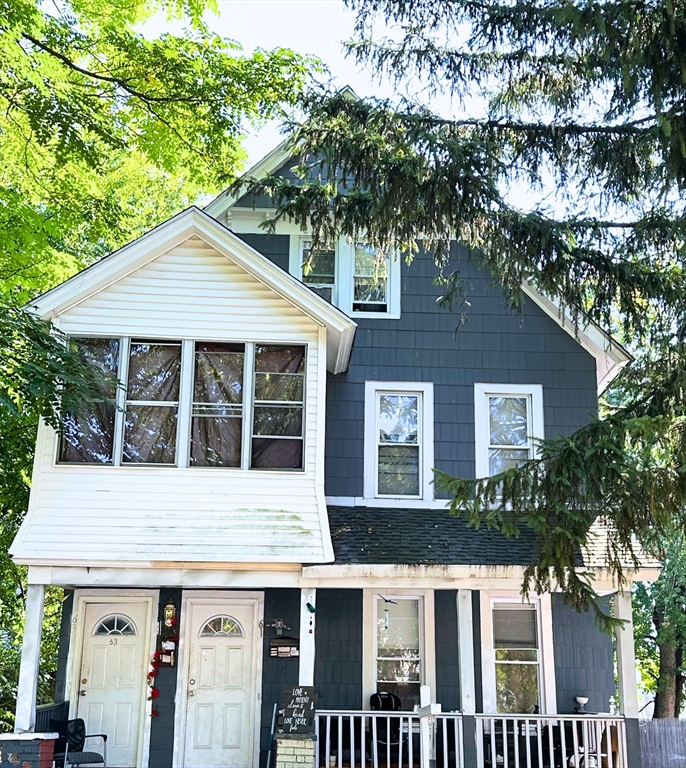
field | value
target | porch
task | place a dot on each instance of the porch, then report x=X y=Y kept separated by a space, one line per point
x=372 y=739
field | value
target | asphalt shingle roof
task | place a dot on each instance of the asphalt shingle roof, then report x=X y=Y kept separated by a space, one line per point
x=386 y=536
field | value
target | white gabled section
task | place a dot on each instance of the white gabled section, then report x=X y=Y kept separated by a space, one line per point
x=194 y=223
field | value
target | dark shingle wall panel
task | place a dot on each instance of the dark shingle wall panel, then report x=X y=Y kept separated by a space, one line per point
x=162 y=726
x=495 y=346
x=338 y=656
x=583 y=659
x=447 y=666
x=478 y=674
x=274 y=247
x=63 y=646
x=252 y=201
x=277 y=674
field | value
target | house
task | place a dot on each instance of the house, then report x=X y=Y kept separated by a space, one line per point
x=259 y=512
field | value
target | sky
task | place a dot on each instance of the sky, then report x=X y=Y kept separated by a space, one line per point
x=316 y=27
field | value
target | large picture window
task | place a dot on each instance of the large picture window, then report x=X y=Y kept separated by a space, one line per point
x=197 y=404
x=88 y=436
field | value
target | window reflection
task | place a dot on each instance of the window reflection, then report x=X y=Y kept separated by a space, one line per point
x=398 y=648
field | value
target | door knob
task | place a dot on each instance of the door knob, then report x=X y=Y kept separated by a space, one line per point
x=191 y=693
x=82 y=693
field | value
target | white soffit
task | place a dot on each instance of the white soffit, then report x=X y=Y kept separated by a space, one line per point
x=193 y=221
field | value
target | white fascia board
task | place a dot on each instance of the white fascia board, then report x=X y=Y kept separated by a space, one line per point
x=610 y=355
x=265 y=167
x=193 y=221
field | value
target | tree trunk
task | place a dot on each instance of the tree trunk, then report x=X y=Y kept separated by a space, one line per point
x=666 y=696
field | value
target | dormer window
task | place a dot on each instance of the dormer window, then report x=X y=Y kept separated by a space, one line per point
x=193 y=404
x=370 y=280
x=319 y=270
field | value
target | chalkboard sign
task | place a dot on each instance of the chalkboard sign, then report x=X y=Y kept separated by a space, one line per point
x=298 y=714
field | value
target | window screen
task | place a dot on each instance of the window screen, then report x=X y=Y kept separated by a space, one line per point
x=217 y=420
x=152 y=402
x=277 y=438
x=517 y=673
x=509 y=444
x=398 y=649
x=88 y=436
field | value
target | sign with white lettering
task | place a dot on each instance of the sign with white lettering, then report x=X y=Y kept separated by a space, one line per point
x=298 y=714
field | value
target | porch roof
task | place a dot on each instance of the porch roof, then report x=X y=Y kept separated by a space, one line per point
x=391 y=536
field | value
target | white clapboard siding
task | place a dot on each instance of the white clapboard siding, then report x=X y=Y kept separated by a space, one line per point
x=136 y=514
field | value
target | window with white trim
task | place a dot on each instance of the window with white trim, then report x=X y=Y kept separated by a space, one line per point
x=508 y=425
x=370 y=280
x=516 y=656
x=398 y=440
x=319 y=270
x=399 y=646
x=197 y=404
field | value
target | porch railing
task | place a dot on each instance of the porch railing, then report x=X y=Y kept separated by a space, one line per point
x=352 y=739
x=545 y=741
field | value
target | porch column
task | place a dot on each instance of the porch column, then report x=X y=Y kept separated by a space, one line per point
x=465 y=652
x=626 y=674
x=308 y=605
x=25 y=719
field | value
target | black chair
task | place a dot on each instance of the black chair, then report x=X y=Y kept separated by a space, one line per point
x=386 y=732
x=72 y=738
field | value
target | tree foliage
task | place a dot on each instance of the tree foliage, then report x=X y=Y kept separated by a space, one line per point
x=584 y=108
x=104 y=132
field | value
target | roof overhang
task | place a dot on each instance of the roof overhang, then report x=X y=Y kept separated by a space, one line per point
x=194 y=222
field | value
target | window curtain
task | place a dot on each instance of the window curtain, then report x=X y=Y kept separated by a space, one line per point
x=152 y=402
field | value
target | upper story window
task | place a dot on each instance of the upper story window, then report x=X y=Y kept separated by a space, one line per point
x=398 y=440
x=509 y=422
x=88 y=437
x=351 y=275
x=319 y=270
x=204 y=404
x=370 y=280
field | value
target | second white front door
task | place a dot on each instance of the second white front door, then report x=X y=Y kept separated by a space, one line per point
x=222 y=685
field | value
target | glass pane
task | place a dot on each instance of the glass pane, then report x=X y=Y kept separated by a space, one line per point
x=500 y=459
x=367 y=263
x=278 y=420
x=397 y=628
x=279 y=386
x=150 y=434
x=216 y=442
x=319 y=266
x=369 y=289
x=398 y=470
x=398 y=670
x=154 y=371
x=218 y=373
x=88 y=436
x=279 y=359
x=508 y=421
x=222 y=626
x=398 y=418
x=115 y=625
x=516 y=688
x=508 y=654
x=408 y=693
x=268 y=453
x=515 y=628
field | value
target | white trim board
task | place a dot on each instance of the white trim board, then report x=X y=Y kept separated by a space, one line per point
x=189 y=223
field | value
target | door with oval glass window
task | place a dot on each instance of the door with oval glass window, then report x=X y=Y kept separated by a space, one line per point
x=222 y=688
x=110 y=691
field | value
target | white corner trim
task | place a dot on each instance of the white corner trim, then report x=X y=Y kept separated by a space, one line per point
x=626 y=656
x=543 y=605
x=307 y=636
x=426 y=441
x=465 y=650
x=482 y=391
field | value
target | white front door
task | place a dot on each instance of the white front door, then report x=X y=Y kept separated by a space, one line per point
x=112 y=678
x=222 y=684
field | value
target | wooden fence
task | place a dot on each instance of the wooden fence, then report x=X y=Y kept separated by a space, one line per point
x=663 y=743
